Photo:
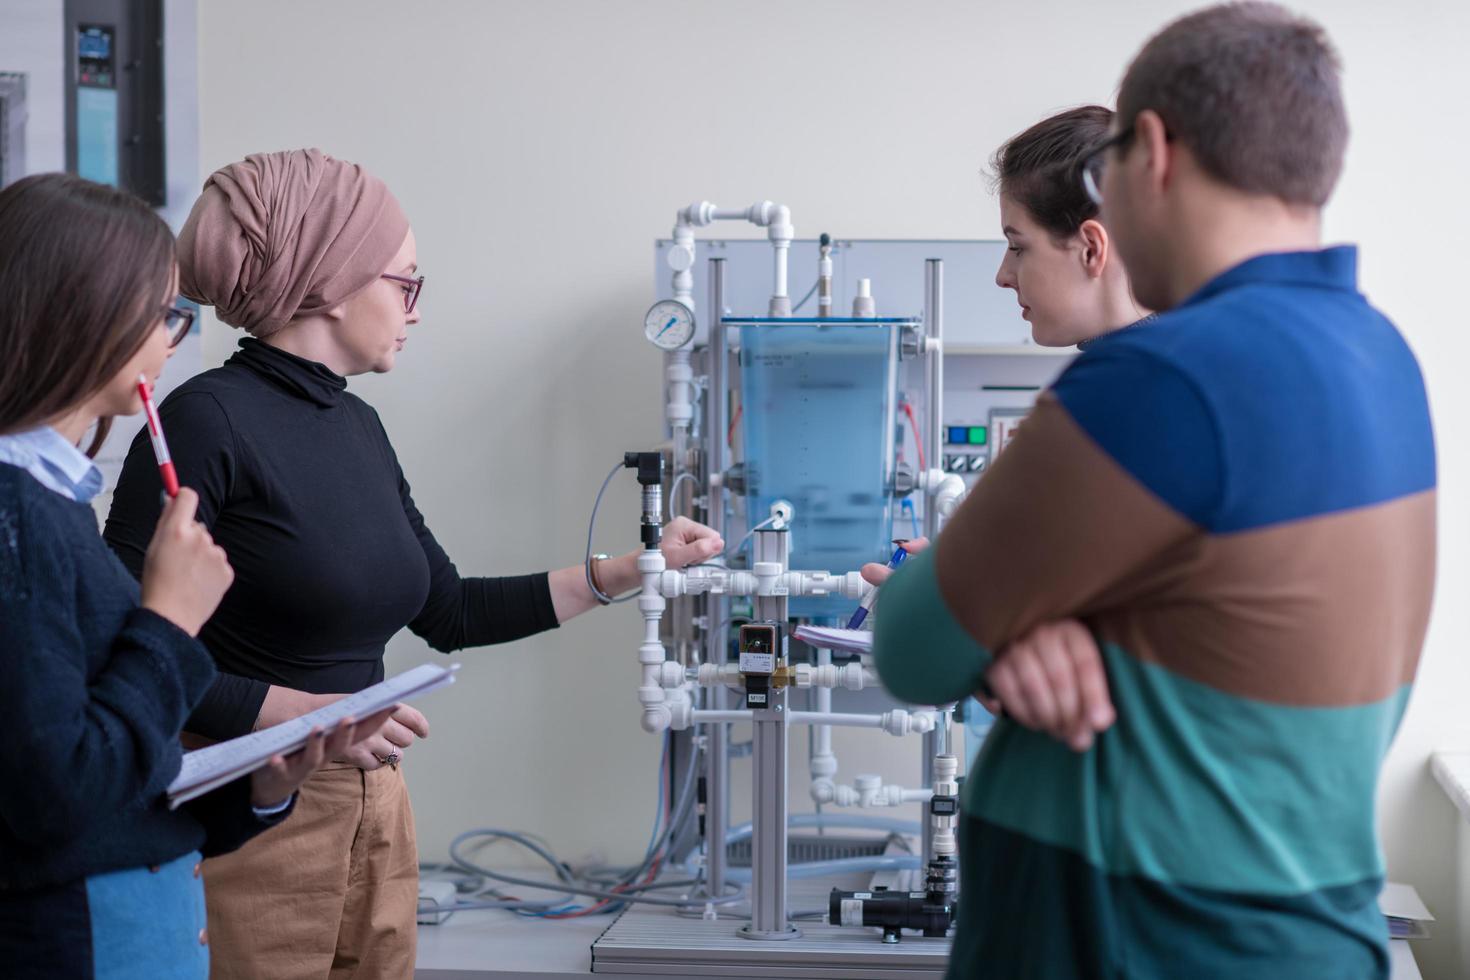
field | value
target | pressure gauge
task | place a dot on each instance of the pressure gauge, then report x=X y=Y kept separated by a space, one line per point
x=669 y=324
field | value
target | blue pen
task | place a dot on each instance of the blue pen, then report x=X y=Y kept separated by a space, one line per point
x=866 y=605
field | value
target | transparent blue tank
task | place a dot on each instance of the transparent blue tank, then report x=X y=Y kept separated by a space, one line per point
x=818 y=429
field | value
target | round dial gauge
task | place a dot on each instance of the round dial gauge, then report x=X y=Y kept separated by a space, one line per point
x=669 y=324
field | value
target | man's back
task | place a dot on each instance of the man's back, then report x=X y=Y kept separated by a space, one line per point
x=1238 y=499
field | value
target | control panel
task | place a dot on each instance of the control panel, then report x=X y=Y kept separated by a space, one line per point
x=986 y=398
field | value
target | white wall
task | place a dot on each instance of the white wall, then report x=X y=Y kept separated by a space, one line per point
x=540 y=148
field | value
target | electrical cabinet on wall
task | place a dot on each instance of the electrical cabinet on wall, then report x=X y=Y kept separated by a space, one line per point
x=114 y=94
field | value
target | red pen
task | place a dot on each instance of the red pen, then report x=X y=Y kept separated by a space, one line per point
x=160 y=447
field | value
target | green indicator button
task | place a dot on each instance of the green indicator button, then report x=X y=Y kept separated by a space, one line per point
x=977 y=435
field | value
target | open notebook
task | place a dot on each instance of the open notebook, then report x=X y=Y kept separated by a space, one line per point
x=832 y=638
x=212 y=767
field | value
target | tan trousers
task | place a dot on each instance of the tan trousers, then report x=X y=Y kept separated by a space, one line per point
x=331 y=893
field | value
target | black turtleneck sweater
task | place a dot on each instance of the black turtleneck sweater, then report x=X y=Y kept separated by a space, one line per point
x=298 y=483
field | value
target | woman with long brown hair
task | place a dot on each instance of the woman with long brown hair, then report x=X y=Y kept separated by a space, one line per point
x=98 y=877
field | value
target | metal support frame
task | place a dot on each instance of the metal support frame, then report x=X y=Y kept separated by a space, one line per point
x=934 y=325
x=717 y=644
x=768 y=856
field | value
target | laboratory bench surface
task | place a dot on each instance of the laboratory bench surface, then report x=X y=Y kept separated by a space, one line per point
x=496 y=945
x=501 y=945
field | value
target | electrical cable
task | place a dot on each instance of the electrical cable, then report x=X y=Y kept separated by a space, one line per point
x=544 y=908
x=621 y=881
x=661 y=815
x=587 y=558
x=630 y=890
x=918 y=439
x=809 y=293
x=674 y=491
x=611 y=896
x=748 y=534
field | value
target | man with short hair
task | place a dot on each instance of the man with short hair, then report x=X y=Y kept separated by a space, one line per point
x=1238 y=500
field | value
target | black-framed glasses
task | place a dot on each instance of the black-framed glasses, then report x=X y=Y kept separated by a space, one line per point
x=177 y=320
x=412 y=286
x=1095 y=161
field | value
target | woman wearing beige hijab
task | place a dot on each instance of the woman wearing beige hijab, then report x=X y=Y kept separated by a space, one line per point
x=298 y=482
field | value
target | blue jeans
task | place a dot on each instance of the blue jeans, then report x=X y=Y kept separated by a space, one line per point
x=135 y=924
x=148 y=923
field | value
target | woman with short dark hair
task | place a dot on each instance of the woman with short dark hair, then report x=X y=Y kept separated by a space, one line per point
x=1060 y=260
x=1072 y=288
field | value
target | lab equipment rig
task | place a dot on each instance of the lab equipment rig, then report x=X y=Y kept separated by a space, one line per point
x=810 y=439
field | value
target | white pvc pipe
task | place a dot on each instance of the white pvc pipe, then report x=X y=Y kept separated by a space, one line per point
x=897 y=722
x=776 y=218
x=681 y=260
x=651 y=655
x=946 y=783
x=725 y=581
x=781 y=233
x=848 y=585
x=679 y=410
x=824 y=707
x=708 y=715
x=868 y=793
x=823 y=762
x=834 y=718
x=945 y=491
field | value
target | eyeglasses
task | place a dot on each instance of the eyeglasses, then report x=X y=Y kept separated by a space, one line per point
x=412 y=286
x=177 y=320
x=1093 y=164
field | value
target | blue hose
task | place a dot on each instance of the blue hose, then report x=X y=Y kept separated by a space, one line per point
x=818 y=869
x=859 y=821
x=815 y=869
